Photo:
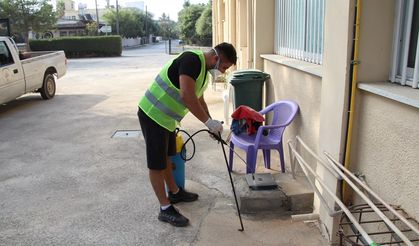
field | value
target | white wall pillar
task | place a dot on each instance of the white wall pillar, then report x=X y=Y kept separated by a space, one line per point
x=339 y=16
x=242 y=42
x=264 y=24
x=232 y=22
x=250 y=23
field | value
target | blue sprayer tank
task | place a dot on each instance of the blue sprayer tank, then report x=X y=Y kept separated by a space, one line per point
x=179 y=163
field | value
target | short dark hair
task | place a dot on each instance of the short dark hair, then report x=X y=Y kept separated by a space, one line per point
x=228 y=51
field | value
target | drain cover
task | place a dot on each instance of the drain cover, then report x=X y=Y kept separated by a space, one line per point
x=261 y=181
x=126 y=134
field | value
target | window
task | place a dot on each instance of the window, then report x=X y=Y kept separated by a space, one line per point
x=299 y=29
x=5 y=56
x=405 y=64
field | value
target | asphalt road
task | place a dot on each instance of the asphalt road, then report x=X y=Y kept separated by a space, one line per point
x=65 y=181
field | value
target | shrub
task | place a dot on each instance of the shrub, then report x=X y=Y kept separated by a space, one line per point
x=81 y=46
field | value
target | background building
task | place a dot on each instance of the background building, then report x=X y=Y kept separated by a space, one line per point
x=307 y=47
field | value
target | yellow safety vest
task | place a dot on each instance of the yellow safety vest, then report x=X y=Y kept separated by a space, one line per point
x=162 y=101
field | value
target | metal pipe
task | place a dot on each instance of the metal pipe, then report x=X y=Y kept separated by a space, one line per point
x=97 y=19
x=335 y=198
x=370 y=221
x=303 y=165
x=353 y=94
x=318 y=158
x=146 y=27
x=390 y=208
x=117 y=18
x=292 y=159
x=365 y=198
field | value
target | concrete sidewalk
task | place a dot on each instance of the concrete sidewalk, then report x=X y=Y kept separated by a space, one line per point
x=65 y=181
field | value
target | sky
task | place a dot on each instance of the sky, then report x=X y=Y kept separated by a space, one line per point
x=157 y=7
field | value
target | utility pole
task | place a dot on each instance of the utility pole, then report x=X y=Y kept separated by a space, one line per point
x=117 y=18
x=146 y=20
x=97 y=18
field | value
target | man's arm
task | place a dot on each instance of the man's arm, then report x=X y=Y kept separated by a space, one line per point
x=187 y=93
x=204 y=105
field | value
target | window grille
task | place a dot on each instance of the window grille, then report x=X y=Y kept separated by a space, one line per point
x=299 y=29
x=405 y=62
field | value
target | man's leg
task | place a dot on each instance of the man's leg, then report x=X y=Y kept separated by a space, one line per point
x=168 y=213
x=156 y=139
x=157 y=181
x=169 y=178
x=176 y=194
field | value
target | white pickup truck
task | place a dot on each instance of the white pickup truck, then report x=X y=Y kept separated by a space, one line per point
x=28 y=72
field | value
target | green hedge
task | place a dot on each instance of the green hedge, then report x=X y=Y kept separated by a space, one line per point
x=81 y=46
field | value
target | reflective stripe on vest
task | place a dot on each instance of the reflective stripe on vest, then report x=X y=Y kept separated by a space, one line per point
x=162 y=107
x=170 y=91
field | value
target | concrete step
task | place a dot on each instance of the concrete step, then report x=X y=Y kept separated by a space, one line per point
x=293 y=196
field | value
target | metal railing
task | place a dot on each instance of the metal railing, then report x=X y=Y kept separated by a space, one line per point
x=341 y=173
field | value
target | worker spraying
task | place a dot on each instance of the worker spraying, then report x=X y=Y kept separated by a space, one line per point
x=177 y=89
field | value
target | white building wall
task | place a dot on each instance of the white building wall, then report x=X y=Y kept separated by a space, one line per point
x=385 y=139
x=338 y=26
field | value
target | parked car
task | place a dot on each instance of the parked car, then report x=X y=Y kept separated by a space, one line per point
x=21 y=73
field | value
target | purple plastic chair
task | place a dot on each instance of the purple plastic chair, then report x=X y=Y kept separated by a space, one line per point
x=267 y=137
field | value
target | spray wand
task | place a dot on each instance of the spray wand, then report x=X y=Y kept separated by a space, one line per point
x=223 y=142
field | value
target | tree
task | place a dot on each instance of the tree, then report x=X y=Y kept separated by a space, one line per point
x=204 y=26
x=60 y=8
x=132 y=22
x=188 y=17
x=28 y=15
x=91 y=28
x=152 y=26
x=167 y=26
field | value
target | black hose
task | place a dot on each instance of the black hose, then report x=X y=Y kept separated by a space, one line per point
x=183 y=150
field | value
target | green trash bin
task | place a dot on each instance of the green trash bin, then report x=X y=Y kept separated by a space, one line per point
x=248 y=87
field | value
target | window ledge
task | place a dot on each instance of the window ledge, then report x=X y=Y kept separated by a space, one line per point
x=304 y=66
x=399 y=93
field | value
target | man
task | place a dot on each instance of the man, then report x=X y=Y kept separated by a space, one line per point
x=176 y=90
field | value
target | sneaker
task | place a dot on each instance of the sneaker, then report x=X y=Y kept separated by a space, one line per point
x=172 y=216
x=182 y=196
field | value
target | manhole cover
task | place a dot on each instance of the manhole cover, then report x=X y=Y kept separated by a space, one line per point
x=127 y=134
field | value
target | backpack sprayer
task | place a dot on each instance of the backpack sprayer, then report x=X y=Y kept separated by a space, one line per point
x=223 y=142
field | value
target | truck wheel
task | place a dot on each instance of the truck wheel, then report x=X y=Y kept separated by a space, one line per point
x=48 y=87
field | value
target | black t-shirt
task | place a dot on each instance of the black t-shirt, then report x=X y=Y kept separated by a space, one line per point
x=187 y=63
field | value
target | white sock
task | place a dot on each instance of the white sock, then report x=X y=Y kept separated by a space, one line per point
x=174 y=193
x=165 y=207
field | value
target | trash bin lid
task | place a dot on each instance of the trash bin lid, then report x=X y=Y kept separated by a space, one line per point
x=249 y=75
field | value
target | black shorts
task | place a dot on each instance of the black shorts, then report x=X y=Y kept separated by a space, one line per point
x=160 y=143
